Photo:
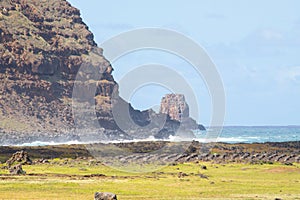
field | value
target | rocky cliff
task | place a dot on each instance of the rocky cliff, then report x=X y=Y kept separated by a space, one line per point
x=175 y=106
x=43 y=44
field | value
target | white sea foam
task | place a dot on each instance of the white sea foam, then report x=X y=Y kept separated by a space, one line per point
x=50 y=143
x=231 y=139
x=149 y=139
x=229 y=135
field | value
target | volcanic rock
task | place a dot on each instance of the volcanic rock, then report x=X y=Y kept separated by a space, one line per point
x=175 y=106
x=47 y=52
x=17 y=170
x=105 y=196
x=42 y=46
x=19 y=157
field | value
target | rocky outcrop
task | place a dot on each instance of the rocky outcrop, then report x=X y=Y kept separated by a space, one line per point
x=282 y=152
x=105 y=196
x=15 y=162
x=17 y=170
x=42 y=37
x=177 y=109
x=20 y=157
x=175 y=106
x=149 y=153
x=43 y=45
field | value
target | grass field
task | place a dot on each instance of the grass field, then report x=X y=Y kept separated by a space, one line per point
x=69 y=179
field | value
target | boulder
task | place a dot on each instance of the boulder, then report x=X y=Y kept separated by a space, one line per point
x=204 y=167
x=105 y=196
x=19 y=157
x=181 y=175
x=17 y=170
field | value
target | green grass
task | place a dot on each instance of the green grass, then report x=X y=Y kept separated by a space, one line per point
x=69 y=179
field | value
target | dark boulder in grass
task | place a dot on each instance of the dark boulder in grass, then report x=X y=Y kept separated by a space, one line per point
x=204 y=167
x=105 y=196
x=17 y=170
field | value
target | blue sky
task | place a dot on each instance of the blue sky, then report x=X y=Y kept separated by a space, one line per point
x=254 y=44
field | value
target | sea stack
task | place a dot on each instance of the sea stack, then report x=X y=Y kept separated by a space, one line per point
x=175 y=106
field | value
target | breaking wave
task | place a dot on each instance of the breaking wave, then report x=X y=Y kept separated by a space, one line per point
x=228 y=135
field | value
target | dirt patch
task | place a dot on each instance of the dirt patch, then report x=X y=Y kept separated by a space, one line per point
x=283 y=170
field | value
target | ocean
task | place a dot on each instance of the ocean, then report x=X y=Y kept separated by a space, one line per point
x=258 y=134
x=229 y=134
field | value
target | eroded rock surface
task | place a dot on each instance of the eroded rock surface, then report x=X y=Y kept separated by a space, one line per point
x=175 y=106
x=42 y=46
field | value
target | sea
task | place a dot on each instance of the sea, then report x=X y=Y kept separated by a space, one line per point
x=228 y=134
x=259 y=134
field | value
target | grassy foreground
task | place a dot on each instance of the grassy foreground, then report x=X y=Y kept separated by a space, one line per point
x=79 y=179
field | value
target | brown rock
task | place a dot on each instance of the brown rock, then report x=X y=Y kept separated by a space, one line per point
x=17 y=170
x=61 y=36
x=39 y=63
x=175 y=106
x=181 y=175
x=19 y=157
x=105 y=196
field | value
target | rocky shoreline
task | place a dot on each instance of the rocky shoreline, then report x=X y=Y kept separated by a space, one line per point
x=282 y=152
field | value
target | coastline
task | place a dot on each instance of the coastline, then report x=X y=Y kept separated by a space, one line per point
x=250 y=171
x=284 y=152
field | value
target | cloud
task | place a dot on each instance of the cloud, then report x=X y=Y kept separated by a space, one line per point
x=262 y=44
x=255 y=62
x=291 y=75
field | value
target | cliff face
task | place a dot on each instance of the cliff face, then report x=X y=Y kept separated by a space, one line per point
x=42 y=46
x=175 y=106
x=43 y=37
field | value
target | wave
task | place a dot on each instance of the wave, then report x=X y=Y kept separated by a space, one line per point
x=50 y=143
x=149 y=139
x=231 y=139
x=228 y=135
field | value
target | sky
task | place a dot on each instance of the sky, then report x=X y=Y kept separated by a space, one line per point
x=254 y=44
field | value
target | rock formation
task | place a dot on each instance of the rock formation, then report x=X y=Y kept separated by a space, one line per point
x=282 y=152
x=17 y=170
x=20 y=157
x=105 y=196
x=15 y=162
x=43 y=45
x=175 y=106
